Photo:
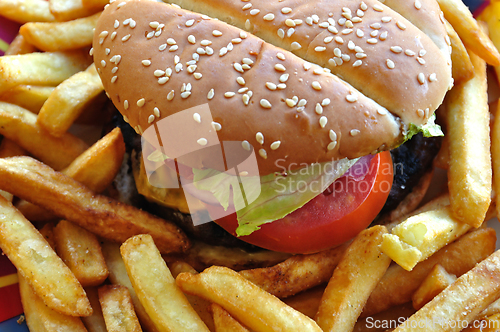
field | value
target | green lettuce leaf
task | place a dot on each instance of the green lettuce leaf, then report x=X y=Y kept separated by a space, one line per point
x=430 y=129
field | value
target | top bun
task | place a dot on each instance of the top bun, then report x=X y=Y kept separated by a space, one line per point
x=156 y=60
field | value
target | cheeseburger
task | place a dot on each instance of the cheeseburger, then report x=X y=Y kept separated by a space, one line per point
x=275 y=117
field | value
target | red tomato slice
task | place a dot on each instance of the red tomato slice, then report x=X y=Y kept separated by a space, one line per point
x=331 y=218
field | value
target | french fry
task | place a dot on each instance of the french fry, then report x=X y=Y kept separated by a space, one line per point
x=30 y=97
x=462 y=69
x=80 y=251
x=23 y=11
x=66 y=10
x=435 y=282
x=95 y=168
x=297 y=273
x=118 y=276
x=68 y=101
x=9 y=149
x=156 y=288
x=39 y=184
x=60 y=36
x=47 y=232
x=420 y=236
x=41 y=318
x=118 y=309
x=491 y=15
x=495 y=155
x=353 y=280
x=38 y=263
x=245 y=301
x=49 y=68
x=21 y=126
x=224 y=322
x=20 y=46
x=460 y=17
x=94 y=322
x=443 y=157
x=488 y=324
x=462 y=301
x=469 y=172
x=307 y=302
x=397 y=285
x=202 y=255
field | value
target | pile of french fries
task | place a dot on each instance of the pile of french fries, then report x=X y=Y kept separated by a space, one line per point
x=87 y=262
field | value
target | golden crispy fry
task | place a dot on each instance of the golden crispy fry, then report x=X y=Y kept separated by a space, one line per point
x=462 y=301
x=39 y=184
x=38 y=263
x=68 y=101
x=420 y=236
x=492 y=309
x=23 y=11
x=353 y=280
x=397 y=285
x=20 y=46
x=435 y=282
x=495 y=154
x=118 y=276
x=47 y=232
x=462 y=69
x=118 y=309
x=297 y=273
x=245 y=301
x=95 y=168
x=20 y=126
x=491 y=15
x=469 y=172
x=224 y=322
x=41 y=318
x=95 y=4
x=460 y=17
x=81 y=252
x=307 y=302
x=201 y=306
x=60 y=36
x=66 y=10
x=30 y=97
x=202 y=255
x=9 y=149
x=40 y=68
x=156 y=288
x=94 y=322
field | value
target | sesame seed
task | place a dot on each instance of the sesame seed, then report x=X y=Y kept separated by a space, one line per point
x=168 y=72
x=185 y=94
x=126 y=22
x=125 y=104
x=125 y=38
x=372 y=41
x=243 y=35
x=357 y=20
x=374 y=33
x=243 y=90
x=141 y=102
x=189 y=23
x=159 y=72
x=328 y=39
x=114 y=70
x=381 y=111
x=357 y=63
x=333 y=29
x=246 y=145
x=217 y=126
x=349 y=24
x=360 y=13
x=171 y=41
x=378 y=8
x=409 y=52
x=265 y=103
x=309 y=21
x=151 y=118
x=296 y=46
x=333 y=135
x=163 y=80
x=284 y=78
x=432 y=77
x=154 y=24
x=421 y=60
x=170 y=95
x=254 y=12
x=286 y=10
x=316 y=85
x=268 y=17
x=421 y=78
x=401 y=25
x=297 y=21
x=360 y=33
x=346 y=31
x=259 y=138
x=350 y=45
x=290 y=23
x=302 y=103
x=216 y=33
x=103 y=63
x=191 y=68
x=279 y=67
x=245 y=98
x=210 y=94
x=318 y=109
x=178 y=67
x=351 y=98
x=247 y=61
x=396 y=49
x=236 y=40
x=315 y=18
x=263 y=153
x=91 y=52
x=418 y=5
x=191 y=39
x=383 y=36
x=240 y=80
x=132 y=23
x=290 y=102
x=337 y=52
x=247 y=6
x=202 y=141
x=421 y=113
x=103 y=34
x=331 y=145
x=346 y=57
x=197 y=117
x=338 y=61
x=390 y=64
x=361 y=55
x=173 y=48
x=229 y=94
x=248 y=24
x=150 y=35
x=354 y=132
x=238 y=67
x=197 y=76
x=386 y=19
x=162 y=47
x=271 y=86
x=376 y=26
x=290 y=32
x=323 y=121
x=158 y=33
x=113 y=79
x=363 y=5
x=339 y=40
x=306 y=66
x=156 y=112
x=275 y=145
x=320 y=48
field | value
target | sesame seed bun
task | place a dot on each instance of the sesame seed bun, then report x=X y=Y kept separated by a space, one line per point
x=156 y=60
